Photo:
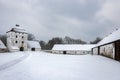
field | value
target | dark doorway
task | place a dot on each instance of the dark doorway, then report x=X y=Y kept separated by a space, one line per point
x=117 y=50
x=21 y=48
x=64 y=52
x=33 y=49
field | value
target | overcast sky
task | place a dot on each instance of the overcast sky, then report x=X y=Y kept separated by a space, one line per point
x=79 y=19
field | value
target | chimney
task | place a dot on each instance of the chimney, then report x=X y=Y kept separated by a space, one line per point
x=17 y=25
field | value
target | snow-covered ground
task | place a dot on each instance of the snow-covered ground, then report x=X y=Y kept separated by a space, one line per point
x=10 y=59
x=44 y=66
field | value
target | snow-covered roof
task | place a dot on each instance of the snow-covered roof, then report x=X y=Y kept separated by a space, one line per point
x=18 y=29
x=2 y=44
x=112 y=37
x=86 y=47
x=33 y=44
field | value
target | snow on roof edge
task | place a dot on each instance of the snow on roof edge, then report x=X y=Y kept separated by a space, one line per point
x=87 y=47
x=2 y=45
x=110 y=38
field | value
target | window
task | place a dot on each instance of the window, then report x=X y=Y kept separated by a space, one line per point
x=22 y=36
x=16 y=36
x=22 y=42
x=16 y=41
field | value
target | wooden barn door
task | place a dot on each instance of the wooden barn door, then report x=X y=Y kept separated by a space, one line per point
x=64 y=52
x=21 y=48
x=33 y=49
x=117 y=50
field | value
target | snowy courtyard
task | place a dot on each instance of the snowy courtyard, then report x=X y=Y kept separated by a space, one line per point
x=46 y=66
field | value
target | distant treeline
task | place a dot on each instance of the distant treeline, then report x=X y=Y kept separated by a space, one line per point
x=66 y=40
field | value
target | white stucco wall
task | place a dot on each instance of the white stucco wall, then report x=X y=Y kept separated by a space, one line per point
x=95 y=51
x=11 y=40
x=108 y=50
x=71 y=52
x=36 y=49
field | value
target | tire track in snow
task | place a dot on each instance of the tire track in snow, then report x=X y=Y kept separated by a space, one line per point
x=13 y=62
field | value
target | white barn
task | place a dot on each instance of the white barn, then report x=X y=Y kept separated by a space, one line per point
x=2 y=47
x=72 y=49
x=109 y=46
x=17 y=39
x=33 y=46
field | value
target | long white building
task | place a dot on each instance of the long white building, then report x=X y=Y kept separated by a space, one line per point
x=72 y=48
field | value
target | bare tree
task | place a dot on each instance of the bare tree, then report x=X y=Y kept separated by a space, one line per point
x=96 y=41
x=3 y=39
x=31 y=37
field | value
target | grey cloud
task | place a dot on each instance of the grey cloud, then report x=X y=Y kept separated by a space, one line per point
x=50 y=18
x=73 y=8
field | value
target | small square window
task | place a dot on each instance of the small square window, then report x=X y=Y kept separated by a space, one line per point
x=16 y=41
x=22 y=42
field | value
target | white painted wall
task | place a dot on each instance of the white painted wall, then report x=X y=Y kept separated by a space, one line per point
x=71 y=52
x=11 y=40
x=36 y=49
x=95 y=51
x=108 y=50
